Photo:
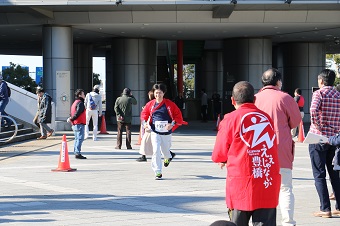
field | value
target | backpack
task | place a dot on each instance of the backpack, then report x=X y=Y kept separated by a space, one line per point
x=93 y=105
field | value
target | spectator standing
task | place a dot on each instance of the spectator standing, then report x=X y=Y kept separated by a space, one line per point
x=78 y=121
x=216 y=101
x=93 y=105
x=123 y=109
x=204 y=106
x=45 y=113
x=246 y=144
x=285 y=113
x=4 y=99
x=325 y=120
x=164 y=117
x=301 y=102
x=179 y=101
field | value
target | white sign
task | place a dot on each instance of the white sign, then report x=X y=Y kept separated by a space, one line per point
x=63 y=93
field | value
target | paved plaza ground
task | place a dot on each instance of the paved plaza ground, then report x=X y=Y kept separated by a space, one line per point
x=111 y=188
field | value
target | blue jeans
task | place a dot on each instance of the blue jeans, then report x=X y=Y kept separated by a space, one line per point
x=3 y=104
x=79 y=133
x=321 y=156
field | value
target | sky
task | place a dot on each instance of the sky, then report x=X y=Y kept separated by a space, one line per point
x=36 y=61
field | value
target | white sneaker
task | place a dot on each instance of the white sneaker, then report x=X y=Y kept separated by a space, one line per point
x=86 y=136
x=95 y=139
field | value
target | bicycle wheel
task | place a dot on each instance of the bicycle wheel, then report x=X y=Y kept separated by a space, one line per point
x=9 y=131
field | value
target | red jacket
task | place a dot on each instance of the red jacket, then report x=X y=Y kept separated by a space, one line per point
x=174 y=112
x=78 y=112
x=246 y=141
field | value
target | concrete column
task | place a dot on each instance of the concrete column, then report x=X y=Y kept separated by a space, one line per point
x=83 y=67
x=58 y=69
x=134 y=65
x=300 y=64
x=244 y=60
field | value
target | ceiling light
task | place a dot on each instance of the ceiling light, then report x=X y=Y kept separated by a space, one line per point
x=233 y=2
x=288 y=1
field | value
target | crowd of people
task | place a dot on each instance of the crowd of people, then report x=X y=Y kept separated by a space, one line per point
x=254 y=143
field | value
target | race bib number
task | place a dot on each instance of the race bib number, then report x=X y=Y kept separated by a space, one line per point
x=160 y=126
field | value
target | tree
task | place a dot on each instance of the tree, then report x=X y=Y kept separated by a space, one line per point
x=188 y=79
x=96 y=80
x=19 y=76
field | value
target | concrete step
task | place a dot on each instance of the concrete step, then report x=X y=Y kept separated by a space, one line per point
x=22 y=134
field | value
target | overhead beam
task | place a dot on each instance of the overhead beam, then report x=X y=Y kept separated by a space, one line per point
x=223 y=11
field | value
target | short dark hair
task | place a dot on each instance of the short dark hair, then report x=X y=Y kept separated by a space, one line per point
x=160 y=86
x=271 y=77
x=243 y=92
x=78 y=92
x=298 y=91
x=327 y=76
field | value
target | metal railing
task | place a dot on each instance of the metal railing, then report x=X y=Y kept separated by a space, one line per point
x=11 y=134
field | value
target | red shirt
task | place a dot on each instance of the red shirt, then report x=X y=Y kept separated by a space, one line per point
x=285 y=113
x=246 y=141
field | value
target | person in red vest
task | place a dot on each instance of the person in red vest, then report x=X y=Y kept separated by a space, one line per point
x=78 y=121
x=246 y=144
x=301 y=102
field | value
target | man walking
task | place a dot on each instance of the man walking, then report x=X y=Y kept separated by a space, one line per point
x=123 y=109
x=285 y=113
x=325 y=120
x=45 y=113
x=246 y=144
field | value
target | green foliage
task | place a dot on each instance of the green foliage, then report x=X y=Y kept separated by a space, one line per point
x=188 y=80
x=96 y=80
x=334 y=57
x=337 y=81
x=19 y=76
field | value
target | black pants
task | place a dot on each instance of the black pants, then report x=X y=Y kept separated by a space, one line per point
x=260 y=217
x=204 y=109
x=120 y=133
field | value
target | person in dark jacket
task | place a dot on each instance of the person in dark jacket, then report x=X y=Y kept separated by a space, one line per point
x=3 y=98
x=335 y=141
x=123 y=109
x=45 y=113
x=78 y=121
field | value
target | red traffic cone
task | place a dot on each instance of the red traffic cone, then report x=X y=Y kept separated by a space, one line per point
x=103 y=126
x=140 y=135
x=218 y=122
x=64 y=162
x=301 y=136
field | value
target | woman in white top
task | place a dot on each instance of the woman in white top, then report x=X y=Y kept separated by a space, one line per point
x=93 y=105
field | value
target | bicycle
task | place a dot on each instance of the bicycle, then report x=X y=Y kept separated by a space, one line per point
x=7 y=134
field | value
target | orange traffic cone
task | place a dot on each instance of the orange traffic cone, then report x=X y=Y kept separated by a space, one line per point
x=140 y=135
x=301 y=136
x=218 y=122
x=64 y=162
x=103 y=126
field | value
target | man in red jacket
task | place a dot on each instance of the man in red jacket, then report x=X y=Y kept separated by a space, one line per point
x=246 y=144
x=78 y=121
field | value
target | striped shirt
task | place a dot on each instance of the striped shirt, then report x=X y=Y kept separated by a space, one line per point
x=325 y=111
